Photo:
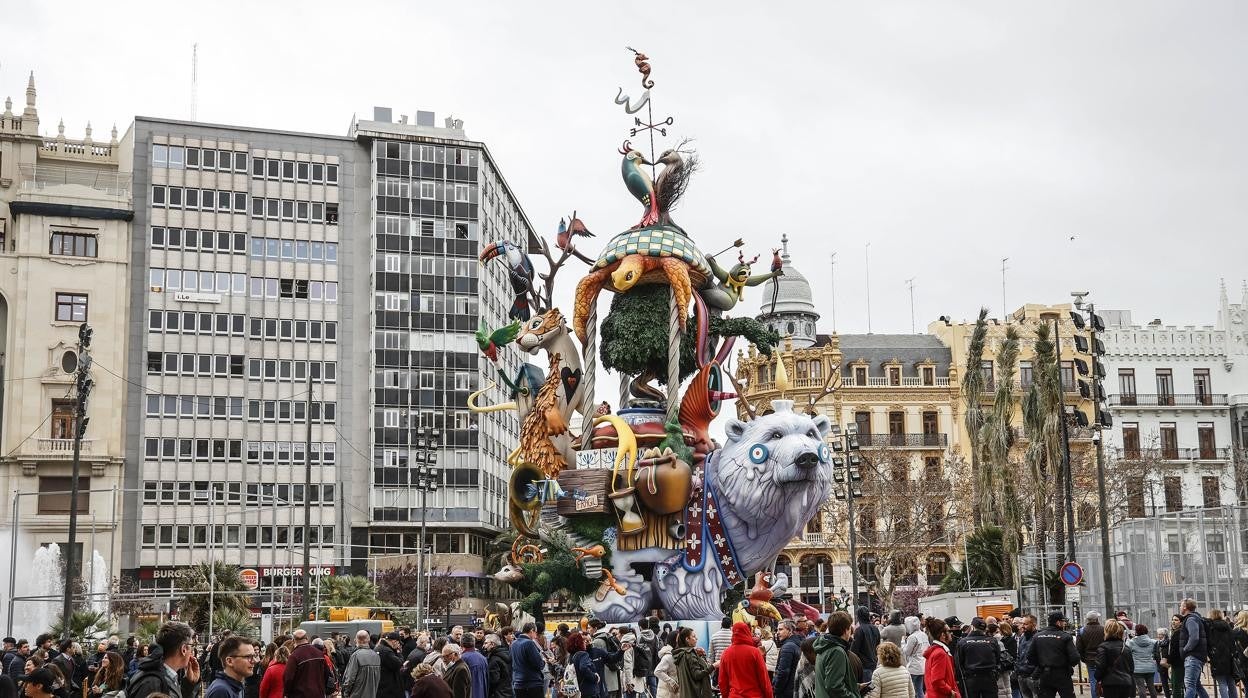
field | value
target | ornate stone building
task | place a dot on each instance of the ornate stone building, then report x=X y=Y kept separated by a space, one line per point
x=901 y=392
x=65 y=212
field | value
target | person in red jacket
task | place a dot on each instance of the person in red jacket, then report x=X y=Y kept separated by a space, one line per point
x=938 y=678
x=742 y=672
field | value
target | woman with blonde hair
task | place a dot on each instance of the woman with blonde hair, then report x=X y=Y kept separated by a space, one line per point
x=1239 y=635
x=890 y=679
x=771 y=651
x=1115 y=668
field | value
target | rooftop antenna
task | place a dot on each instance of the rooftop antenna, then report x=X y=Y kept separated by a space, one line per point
x=194 y=80
x=867 y=256
x=1005 y=314
x=833 y=293
x=910 y=285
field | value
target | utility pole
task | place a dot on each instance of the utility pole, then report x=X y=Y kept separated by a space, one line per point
x=846 y=471
x=307 y=501
x=910 y=285
x=1005 y=312
x=867 y=257
x=1100 y=420
x=194 y=80
x=427 y=480
x=833 y=293
x=83 y=385
x=1068 y=490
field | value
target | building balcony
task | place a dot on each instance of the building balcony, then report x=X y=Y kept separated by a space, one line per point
x=906 y=382
x=1076 y=434
x=903 y=440
x=1174 y=454
x=1020 y=386
x=61 y=449
x=49 y=179
x=1168 y=400
x=814 y=540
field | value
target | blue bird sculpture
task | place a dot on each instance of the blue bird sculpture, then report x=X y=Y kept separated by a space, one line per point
x=639 y=183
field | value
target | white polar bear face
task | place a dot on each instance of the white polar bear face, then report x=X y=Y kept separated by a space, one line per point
x=785 y=447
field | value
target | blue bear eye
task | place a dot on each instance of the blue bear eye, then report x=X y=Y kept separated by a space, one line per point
x=824 y=453
x=759 y=453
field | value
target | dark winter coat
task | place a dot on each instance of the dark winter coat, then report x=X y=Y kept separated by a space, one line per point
x=1221 y=649
x=693 y=673
x=1114 y=666
x=866 y=640
x=784 y=682
x=834 y=676
x=390 y=682
x=459 y=677
x=499 y=664
x=431 y=686
x=1090 y=638
x=153 y=678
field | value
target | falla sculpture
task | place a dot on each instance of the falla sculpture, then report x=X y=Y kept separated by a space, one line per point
x=637 y=508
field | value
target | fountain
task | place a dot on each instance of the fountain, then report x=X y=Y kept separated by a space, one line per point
x=101 y=580
x=45 y=579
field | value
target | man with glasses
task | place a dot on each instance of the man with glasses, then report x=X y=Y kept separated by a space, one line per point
x=238 y=660
x=172 y=671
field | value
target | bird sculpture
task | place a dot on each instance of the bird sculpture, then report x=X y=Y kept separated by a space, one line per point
x=777 y=264
x=519 y=271
x=563 y=239
x=672 y=182
x=760 y=598
x=489 y=340
x=639 y=183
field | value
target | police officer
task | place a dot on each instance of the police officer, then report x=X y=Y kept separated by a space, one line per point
x=1052 y=652
x=979 y=658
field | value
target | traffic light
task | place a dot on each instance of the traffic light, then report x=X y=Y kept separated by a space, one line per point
x=1091 y=367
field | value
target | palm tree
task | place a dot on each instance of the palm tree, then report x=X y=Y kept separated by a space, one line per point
x=985 y=559
x=83 y=626
x=229 y=593
x=972 y=391
x=1043 y=410
x=146 y=631
x=996 y=473
x=347 y=590
x=996 y=436
x=237 y=622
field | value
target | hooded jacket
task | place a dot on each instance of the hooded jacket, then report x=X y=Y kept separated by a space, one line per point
x=895 y=631
x=938 y=679
x=498 y=661
x=693 y=673
x=1113 y=664
x=742 y=672
x=833 y=676
x=1221 y=648
x=1143 y=650
x=152 y=678
x=665 y=672
x=866 y=640
x=913 y=648
x=784 y=683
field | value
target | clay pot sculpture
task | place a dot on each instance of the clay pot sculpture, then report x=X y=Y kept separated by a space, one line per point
x=664 y=483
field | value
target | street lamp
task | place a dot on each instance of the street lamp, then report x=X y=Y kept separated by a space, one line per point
x=427 y=478
x=1101 y=419
x=847 y=475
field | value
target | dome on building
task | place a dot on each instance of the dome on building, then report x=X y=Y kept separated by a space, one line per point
x=794 y=314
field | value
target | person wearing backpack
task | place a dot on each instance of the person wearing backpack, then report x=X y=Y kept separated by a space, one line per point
x=1194 y=648
x=645 y=657
x=613 y=657
x=1221 y=654
x=587 y=673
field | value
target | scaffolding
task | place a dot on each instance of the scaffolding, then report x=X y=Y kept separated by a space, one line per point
x=1157 y=561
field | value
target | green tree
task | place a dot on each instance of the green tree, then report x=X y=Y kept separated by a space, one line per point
x=972 y=392
x=996 y=437
x=348 y=590
x=1043 y=410
x=229 y=593
x=84 y=626
x=236 y=621
x=986 y=560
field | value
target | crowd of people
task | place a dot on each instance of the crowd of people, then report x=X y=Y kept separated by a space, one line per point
x=836 y=657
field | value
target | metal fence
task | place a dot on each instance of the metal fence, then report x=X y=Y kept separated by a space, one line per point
x=1157 y=562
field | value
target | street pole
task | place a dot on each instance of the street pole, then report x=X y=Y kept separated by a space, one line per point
x=853 y=549
x=1068 y=492
x=307 y=500
x=1107 y=567
x=12 y=567
x=421 y=613
x=83 y=386
x=212 y=562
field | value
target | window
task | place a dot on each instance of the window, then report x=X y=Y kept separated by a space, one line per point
x=863 y=421
x=1208 y=447
x=937 y=568
x=63 y=419
x=160 y=156
x=894 y=375
x=427 y=192
x=73 y=244
x=1068 y=376
x=985 y=368
x=1169 y=441
x=71 y=307
x=1126 y=385
x=860 y=376
x=1165 y=387
x=1130 y=440
x=931 y=425
x=929 y=375
x=1024 y=374
x=1203 y=386
x=1211 y=491
x=896 y=426
x=461 y=192
x=54 y=497
x=867 y=564
x=1173 y=486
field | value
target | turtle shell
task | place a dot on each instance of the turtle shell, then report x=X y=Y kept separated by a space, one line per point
x=657 y=241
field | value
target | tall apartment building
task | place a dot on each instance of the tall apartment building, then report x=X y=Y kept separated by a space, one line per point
x=437 y=199
x=65 y=211
x=900 y=394
x=242 y=350
x=265 y=259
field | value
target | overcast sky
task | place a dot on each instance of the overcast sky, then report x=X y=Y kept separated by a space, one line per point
x=947 y=135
